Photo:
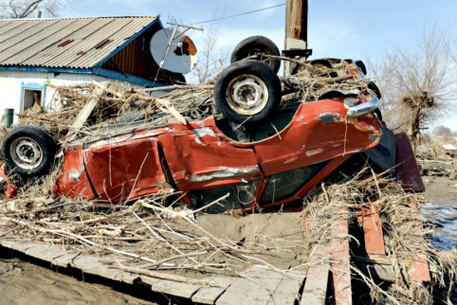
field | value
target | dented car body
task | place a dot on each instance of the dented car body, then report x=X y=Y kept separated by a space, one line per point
x=200 y=156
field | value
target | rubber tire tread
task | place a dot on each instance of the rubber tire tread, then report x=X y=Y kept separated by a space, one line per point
x=256 y=44
x=250 y=67
x=43 y=139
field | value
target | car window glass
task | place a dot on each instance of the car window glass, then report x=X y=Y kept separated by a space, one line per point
x=241 y=196
x=283 y=185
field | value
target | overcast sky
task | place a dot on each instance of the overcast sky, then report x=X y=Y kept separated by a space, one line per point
x=344 y=29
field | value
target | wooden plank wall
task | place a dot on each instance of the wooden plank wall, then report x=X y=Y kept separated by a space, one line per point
x=136 y=59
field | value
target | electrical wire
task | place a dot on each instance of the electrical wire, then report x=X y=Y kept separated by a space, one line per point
x=241 y=14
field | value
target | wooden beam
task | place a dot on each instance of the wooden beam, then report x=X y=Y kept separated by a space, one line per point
x=296 y=29
x=341 y=271
x=296 y=24
x=84 y=114
x=315 y=291
x=419 y=269
x=372 y=229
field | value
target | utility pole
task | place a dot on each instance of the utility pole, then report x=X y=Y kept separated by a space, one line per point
x=296 y=30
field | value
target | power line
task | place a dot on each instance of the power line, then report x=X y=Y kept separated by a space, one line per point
x=246 y=13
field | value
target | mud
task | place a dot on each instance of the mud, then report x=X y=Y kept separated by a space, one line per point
x=26 y=283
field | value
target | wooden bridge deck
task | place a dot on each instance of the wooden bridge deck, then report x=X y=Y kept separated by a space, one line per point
x=254 y=286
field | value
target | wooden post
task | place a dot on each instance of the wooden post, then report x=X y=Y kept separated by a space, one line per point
x=296 y=24
x=296 y=27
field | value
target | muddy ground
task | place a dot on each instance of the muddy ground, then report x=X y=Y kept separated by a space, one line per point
x=24 y=282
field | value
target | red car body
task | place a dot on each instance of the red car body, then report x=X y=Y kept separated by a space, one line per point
x=199 y=156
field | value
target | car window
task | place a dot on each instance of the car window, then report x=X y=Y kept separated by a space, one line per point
x=241 y=196
x=283 y=185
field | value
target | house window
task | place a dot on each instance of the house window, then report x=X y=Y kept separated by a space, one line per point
x=32 y=94
x=31 y=97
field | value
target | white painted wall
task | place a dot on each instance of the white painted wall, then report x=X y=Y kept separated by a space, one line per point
x=10 y=85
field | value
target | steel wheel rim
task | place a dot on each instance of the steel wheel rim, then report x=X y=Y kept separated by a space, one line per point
x=26 y=153
x=247 y=95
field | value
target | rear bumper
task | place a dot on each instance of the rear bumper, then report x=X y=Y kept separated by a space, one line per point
x=363 y=108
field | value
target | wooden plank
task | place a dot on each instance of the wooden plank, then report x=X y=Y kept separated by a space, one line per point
x=148 y=280
x=372 y=228
x=93 y=265
x=103 y=87
x=315 y=290
x=84 y=114
x=178 y=289
x=372 y=259
x=288 y=290
x=44 y=251
x=254 y=288
x=209 y=295
x=169 y=108
x=385 y=272
x=64 y=260
x=341 y=266
x=21 y=246
x=419 y=269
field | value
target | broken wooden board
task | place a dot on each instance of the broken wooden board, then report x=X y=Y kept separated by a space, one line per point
x=173 y=288
x=288 y=290
x=256 y=286
x=209 y=295
x=55 y=255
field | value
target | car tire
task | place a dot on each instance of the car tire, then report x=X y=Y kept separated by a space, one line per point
x=29 y=151
x=361 y=66
x=374 y=89
x=247 y=91
x=257 y=45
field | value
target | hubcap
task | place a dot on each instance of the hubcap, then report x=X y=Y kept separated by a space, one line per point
x=26 y=153
x=247 y=95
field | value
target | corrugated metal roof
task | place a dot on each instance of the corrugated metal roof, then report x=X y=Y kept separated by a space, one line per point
x=65 y=43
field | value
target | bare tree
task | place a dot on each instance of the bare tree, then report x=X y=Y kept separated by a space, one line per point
x=17 y=9
x=418 y=80
x=444 y=133
x=211 y=58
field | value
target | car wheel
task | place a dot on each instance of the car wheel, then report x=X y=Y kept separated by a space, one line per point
x=372 y=86
x=247 y=91
x=257 y=45
x=29 y=151
x=361 y=66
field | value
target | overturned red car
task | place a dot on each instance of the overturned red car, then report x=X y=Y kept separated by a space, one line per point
x=260 y=154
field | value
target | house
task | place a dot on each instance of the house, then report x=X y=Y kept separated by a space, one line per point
x=38 y=54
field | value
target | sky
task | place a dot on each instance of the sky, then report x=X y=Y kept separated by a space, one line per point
x=343 y=29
